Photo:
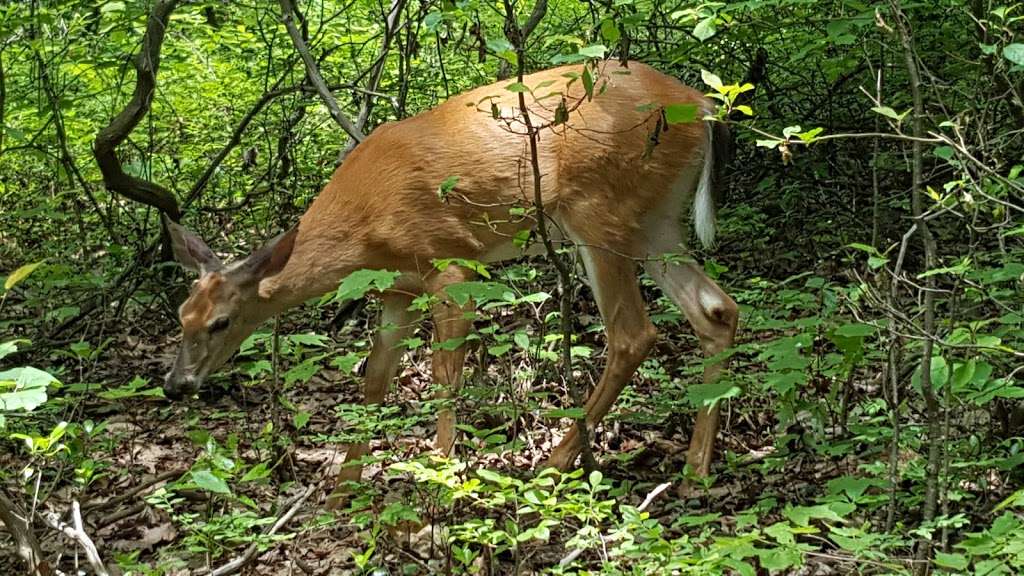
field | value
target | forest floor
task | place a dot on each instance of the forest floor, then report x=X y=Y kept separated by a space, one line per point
x=148 y=442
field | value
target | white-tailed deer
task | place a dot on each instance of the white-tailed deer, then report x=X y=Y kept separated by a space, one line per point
x=606 y=189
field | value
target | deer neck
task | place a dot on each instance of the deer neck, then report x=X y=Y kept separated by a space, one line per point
x=321 y=258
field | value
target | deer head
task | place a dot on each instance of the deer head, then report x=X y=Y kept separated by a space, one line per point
x=224 y=305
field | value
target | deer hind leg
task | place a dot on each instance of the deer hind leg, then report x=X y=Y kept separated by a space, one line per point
x=397 y=323
x=713 y=315
x=629 y=333
x=452 y=323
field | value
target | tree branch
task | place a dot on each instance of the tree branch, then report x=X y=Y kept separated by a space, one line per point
x=146 y=63
x=287 y=10
x=25 y=541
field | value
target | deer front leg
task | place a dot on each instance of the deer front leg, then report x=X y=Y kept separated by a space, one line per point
x=397 y=323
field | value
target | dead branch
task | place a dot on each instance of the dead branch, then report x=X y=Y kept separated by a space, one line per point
x=76 y=532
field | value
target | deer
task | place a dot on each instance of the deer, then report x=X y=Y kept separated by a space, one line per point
x=621 y=202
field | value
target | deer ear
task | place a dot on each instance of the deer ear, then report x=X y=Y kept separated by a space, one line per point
x=189 y=250
x=270 y=259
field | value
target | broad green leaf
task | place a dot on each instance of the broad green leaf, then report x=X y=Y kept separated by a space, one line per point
x=944 y=152
x=574 y=413
x=1014 y=53
x=112 y=7
x=257 y=472
x=680 y=113
x=480 y=292
x=517 y=87
x=9 y=347
x=711 y=79
x=24 y=388
x=855 y=330
x=706 y=395
x=889 y=113
x=300 y=420
x=595 y=51
x=20 y=274
x=802 y=515
x=705 y=29
x=210 y=482
x=609 y=31
x=954 y=561
x=358 y=283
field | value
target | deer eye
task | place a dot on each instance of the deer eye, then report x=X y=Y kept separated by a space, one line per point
x=218 y=324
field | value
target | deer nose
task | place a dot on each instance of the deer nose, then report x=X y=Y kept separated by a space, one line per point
x=177 y=386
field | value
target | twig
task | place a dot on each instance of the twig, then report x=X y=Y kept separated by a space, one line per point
x=131 y=493
x=77 y=533
x=574 y=554
x=250 y=553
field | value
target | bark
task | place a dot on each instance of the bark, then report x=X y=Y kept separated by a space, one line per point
x=146 y=63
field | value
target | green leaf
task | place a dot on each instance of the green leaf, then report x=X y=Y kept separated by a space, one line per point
x=889 y=113
x=609 y=31
x=802 y=515
x=855 y=330
x=432 y=20
x=574 y=413
x=447 y=185
x=522 y=339
x=210 y=482
x=705 y=29
x=1014 y=53
x=595 y=51
x=480 y=268
x=588 y=83
x=300 y=420
x=711 y=79
x=954 y=561
x=517 y=87
x=27 y=387
x=680 y=113
x=480 y=292
x=944 y=152
x=358 y=283
x=20 y=274
x=112 y=7
x=706 y=395
x=9 y=347
x=257 y=472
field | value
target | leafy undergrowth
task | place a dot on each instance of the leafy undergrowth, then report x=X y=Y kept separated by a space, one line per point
x=806 y=481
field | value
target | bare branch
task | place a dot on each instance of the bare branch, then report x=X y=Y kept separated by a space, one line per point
x=250 y=553
x=76 y=532
x=287 y=11
x=146 y=63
